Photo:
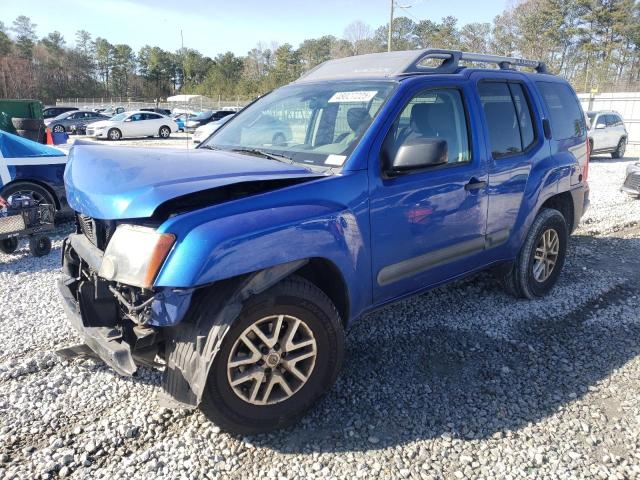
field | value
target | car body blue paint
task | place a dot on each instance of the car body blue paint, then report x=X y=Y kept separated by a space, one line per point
x=325 y=218
x=24 y=160
x=112 y=183
x=356 y=218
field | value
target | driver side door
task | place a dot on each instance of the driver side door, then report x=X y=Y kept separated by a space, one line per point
x=428 y=226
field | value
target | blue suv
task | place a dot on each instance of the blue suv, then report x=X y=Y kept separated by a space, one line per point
x=237 y=267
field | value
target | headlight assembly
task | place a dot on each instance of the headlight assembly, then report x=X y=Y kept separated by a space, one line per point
x=135 y=254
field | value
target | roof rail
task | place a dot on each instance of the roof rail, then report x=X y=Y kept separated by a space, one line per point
x=408 y=62
x=451 y=61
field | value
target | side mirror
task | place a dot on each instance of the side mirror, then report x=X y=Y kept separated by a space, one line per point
x=127 y=119
x=600 y=126
x=419 y=153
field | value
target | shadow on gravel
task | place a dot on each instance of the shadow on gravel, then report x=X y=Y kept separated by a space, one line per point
x=400 y=387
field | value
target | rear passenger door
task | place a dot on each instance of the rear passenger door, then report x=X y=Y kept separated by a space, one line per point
x=152 y=123
x=513 y=144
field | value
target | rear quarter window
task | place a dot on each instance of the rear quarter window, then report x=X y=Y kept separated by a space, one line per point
x=565 y=114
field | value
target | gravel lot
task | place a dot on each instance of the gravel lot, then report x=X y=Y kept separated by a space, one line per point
x=461 y=382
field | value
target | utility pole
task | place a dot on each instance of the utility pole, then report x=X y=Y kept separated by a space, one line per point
x=390 y=26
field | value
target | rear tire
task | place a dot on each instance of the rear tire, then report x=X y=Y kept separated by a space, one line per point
x=536 y=269
x=9 y=245
x=619 y=151
x=39 y=194
x=31 y=124
x=164 y=132
x=273 y=407
x=32 y=135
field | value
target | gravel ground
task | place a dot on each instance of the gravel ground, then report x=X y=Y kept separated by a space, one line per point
x=461 y=382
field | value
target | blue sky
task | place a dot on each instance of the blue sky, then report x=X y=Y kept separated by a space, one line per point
x=214 y=26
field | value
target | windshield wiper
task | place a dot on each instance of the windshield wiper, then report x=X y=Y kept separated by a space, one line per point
x=272 y=156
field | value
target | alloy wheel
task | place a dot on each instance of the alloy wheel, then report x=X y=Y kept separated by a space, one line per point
x=546 y=255
x=271 y=360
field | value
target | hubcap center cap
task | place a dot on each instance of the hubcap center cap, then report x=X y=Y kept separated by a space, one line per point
x=273 y=359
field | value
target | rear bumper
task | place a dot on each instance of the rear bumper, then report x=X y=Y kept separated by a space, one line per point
x=104 y=341
x=631 y=183
x=580 y=198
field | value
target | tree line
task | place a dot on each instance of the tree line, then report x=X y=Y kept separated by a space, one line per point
x=592 y=43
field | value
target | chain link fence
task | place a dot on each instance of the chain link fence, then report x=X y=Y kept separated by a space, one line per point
x=197 y=105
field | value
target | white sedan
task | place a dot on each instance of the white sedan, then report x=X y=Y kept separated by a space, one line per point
x=133 y=124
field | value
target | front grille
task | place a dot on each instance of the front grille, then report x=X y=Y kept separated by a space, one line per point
x=633 y=181
x=99 y=232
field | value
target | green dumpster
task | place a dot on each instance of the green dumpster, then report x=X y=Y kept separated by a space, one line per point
x=18 y=109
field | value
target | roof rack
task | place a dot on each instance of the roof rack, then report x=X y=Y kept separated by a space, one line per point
x=451 y=60
x=410 y=62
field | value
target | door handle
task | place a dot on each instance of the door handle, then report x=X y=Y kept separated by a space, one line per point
x=475 y=184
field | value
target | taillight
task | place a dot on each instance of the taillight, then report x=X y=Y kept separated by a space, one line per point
x=585 y=167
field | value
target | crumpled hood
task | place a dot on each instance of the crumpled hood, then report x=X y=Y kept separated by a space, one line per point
x=111 y=183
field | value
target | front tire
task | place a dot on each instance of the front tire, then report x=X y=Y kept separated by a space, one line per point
x=539 y=263
x=114 y=134
x=619 y=151
x=164 y=132
x=279 y=357
x=58 y=129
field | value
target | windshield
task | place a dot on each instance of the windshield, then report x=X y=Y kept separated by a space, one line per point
x=64 y=115
x=119 y=117
x=308 y=123
x=203 y=115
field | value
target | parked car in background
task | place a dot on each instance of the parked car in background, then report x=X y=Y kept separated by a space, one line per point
x=133 y=124
x=33 y=170
x=631 y=183
x=182 y=118
x=204 y=131
x=111 y=111
x=162 y=111
x=206 y=117
x=242 y=262
x=51 y=112
x=607 y=133
x=63 y=122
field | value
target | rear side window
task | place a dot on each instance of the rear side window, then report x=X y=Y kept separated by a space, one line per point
x=508 y=118
x=565 y=115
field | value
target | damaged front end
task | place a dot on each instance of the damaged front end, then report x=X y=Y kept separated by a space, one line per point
x=128 y=325
x=121 y=323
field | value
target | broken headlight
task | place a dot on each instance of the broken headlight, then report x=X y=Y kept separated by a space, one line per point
x=135 y=254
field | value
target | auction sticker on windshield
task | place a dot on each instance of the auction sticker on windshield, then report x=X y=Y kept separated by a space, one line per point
x=358 y=96
x=336 y=160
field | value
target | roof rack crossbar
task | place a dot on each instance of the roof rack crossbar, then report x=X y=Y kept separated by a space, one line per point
x=451 y=61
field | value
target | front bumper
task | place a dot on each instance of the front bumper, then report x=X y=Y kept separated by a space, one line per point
x=106 y=342
x=631 y=183
x=121 y=332
x=95 y=133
